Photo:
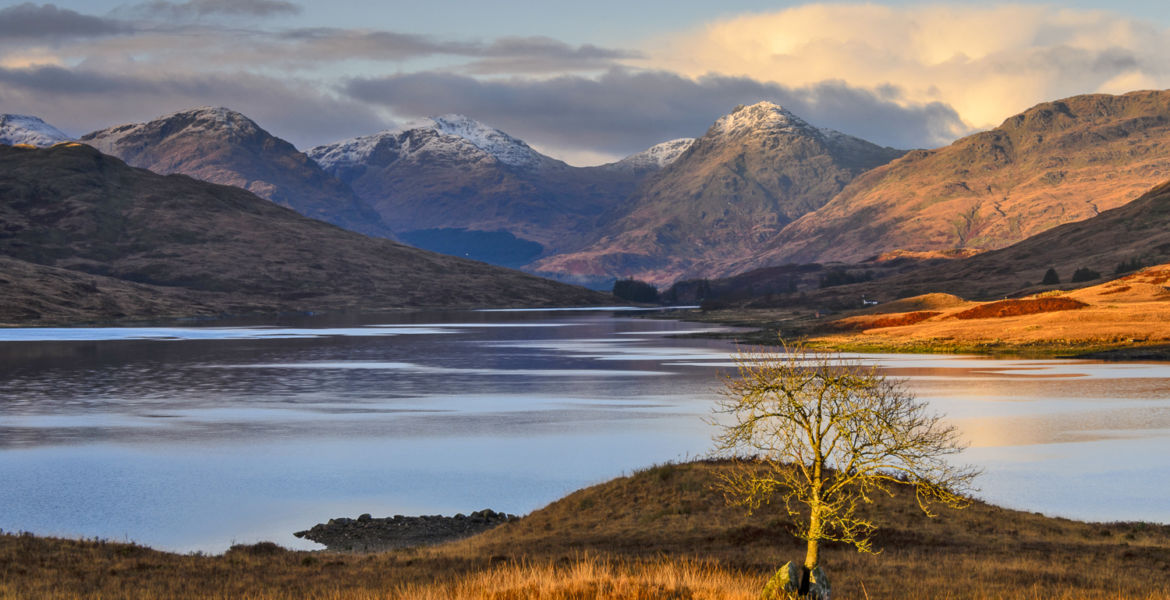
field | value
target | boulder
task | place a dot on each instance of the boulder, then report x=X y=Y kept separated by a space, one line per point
x=818 y=585
x=784 y=584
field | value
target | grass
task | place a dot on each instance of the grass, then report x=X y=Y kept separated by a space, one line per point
x=659 y=533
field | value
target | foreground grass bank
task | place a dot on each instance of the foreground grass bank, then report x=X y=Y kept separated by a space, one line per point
x=661 y=533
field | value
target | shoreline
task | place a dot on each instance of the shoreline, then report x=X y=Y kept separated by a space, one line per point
x=767 y=332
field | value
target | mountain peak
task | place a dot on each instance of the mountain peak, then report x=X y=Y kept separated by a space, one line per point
x=762 y=116
x=27 y=129
x=457 y=135
x=504 y=147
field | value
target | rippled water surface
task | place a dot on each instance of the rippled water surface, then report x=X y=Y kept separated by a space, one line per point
x=194 y=438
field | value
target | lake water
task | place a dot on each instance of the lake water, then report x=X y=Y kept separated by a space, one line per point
x=195 y=438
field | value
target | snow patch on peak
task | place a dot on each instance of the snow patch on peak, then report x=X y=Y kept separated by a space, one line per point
x=454 y=135
x=762 y=116
x=351 y=152
x=504 y=147
x=30 y=130
x=214 y=120
x=656 y=157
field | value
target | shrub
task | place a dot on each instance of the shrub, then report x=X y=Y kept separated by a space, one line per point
x=840 y=276
x=1050 y=277
x=635 y=291
x=1127 y=266
x=1085 y=274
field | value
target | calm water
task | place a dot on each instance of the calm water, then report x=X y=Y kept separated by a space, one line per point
x=194 y=438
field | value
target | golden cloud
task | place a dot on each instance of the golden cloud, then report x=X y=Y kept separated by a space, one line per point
x=987 y=62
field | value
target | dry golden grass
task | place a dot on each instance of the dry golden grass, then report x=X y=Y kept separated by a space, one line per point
x=1131 y=311
x=660 y=533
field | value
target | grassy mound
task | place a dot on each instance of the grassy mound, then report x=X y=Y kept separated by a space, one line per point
x=659 y=533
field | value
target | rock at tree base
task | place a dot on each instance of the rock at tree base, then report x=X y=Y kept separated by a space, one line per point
x=783 y=585
x=818 y=585
x=786 y=584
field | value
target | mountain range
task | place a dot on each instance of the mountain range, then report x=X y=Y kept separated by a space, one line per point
x=761 y=187
x=446 y=182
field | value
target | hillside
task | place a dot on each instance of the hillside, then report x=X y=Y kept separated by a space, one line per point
x=223 y=146
x=753 y=172
x=1126 y=313
x=203 y=247
x=1055 y=163
x=451 y=183
x=661 y=533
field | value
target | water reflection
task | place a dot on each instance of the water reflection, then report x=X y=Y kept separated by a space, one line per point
x=195 y=437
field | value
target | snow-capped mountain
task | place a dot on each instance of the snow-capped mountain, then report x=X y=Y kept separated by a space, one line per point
x=729 y=192
x=26 y=129
x=223 y=146
x=451 y=137
x=447 y=182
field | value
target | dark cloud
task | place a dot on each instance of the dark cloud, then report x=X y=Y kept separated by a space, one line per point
x=29 y=20
x=625 y=111
x=80 y=101
x=543 y=55
x=509 y=54
x=203 y=8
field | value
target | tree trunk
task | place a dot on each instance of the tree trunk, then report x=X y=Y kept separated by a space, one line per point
x=813 y=557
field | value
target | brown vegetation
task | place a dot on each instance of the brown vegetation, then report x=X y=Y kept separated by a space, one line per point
x=861 y=323
x=1015 y=308
x=660 y=533
x=1124 y=313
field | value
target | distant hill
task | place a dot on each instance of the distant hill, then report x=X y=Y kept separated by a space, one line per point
x=105 y=230
x=1117 y=241
x=29 y=130
x=443 y=183
x=753 y=172
x=1055 y=163
x=223 y=146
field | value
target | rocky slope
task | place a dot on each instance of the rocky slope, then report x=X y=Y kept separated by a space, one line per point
x=1119 y=240
x=1055 y=163
x=223 y=146
x=196 y=247
x=25 y=129
x=753 y=172
x=444 y=182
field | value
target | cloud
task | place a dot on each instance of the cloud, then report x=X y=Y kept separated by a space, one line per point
x=536 y=54
x=79 y=101
x=28 y=20
x=203 y=8
x=624 y=111
x=987 y=61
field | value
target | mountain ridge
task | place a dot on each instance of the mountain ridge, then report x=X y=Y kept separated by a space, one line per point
x=1057 y=162
x=222 y=146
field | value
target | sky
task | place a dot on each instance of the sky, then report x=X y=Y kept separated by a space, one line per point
x=584 y=82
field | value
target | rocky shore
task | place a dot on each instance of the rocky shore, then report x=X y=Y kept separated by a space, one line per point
x=369 y=534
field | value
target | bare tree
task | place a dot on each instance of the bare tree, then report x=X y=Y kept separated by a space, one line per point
x=830 y=432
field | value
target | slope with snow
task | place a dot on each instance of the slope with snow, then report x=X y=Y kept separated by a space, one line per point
x=30 y=130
